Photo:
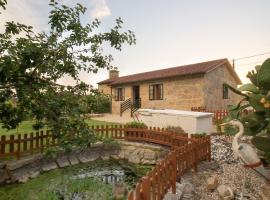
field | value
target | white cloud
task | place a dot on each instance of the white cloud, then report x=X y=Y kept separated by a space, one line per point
x=100 y=9
x=28 y=12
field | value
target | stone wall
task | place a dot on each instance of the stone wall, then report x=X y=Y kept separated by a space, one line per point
x=213 y=88
x=30 y=167
x=104 y=88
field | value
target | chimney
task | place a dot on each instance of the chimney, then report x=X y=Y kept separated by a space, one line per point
x=113 y=74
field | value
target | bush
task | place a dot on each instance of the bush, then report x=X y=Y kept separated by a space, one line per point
x=135 y=124
x=176 y=129
x=96 y=102
x=199 y=135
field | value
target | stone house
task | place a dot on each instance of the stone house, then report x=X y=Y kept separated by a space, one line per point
x=181 y=88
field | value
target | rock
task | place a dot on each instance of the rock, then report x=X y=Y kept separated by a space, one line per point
x=23 y=179
x=119 y=191
x=149 y=155
x=88 y=156
x=188 y=192
x=3 y=176
x=20 y=175
x=16 y=164
x=212 y=183
x=3 y=164
x=34 y=174
x=49 y=166
x=171 y=196
x=63 y=161
x=134 y=157
x=73 y=160
x=225 y=192
x=265 y=193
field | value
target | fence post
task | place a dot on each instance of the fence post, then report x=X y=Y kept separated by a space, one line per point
x=3 y=144
x=195 y=150
x=146 y=188
x=209 y=148
x=18 y=146
x=174 y=172
x=131 y=195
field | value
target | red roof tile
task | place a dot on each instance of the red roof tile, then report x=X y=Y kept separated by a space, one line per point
x=198 y=68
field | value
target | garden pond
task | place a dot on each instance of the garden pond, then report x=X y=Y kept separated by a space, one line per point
x=90 y=181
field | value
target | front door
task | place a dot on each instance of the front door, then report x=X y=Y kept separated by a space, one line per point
x=136 y=93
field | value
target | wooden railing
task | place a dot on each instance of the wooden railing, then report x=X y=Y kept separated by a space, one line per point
x=185 y=154
x=163 y=177
x=124 y=106
x=135 y=105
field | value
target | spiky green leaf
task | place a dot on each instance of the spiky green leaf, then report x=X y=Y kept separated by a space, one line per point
x=249 y=87
x=263 y=76
x=262 y=143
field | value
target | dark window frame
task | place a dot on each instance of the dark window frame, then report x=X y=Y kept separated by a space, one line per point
x=225 y=92
x=117 y=96
x=153 y=89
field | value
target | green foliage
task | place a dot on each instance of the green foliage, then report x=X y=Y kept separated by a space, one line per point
x=31 y=64
x=135 y=124
x=199 y=135
x=176 y=129
x=262 y=143
x=230 y=130
x=256 y=96
x=96 y=102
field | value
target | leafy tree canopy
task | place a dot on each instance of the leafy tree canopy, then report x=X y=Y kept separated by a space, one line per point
x=32 y=62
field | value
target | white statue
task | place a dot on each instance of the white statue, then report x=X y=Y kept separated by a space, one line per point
x=246 y=153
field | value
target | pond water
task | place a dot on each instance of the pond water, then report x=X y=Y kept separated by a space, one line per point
x=109 y=176
x=91 y=181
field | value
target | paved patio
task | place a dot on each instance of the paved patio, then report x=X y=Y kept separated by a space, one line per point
x=114 y=118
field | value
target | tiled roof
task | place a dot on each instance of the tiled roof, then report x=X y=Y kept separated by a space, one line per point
x=198 y=68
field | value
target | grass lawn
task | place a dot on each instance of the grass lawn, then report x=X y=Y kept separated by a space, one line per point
x=26 y=127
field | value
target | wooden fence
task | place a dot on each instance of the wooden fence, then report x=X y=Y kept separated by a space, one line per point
x=218 y=114
x=163 y=177
x=185 y=154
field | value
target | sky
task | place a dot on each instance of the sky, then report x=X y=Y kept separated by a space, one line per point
x=169 y=33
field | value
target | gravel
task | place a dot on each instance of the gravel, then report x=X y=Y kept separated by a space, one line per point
x=245 y=183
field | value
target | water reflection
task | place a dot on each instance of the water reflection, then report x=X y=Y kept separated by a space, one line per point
x=106 y=175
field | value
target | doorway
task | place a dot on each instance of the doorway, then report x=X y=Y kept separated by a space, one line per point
x=136 y=93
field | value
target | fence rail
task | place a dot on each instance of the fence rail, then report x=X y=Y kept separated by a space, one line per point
x=184 y=155
x=218 y=114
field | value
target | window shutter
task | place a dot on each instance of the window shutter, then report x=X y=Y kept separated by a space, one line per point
x=151 y=92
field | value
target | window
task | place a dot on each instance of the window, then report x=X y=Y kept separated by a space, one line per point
x=119 y=94
x=225 y=92
x=156 y=92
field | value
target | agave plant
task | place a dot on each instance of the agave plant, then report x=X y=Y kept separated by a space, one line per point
x=256 y=97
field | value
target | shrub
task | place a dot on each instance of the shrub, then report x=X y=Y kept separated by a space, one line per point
x=135 y=124
x=176 y=129
x=199 y=135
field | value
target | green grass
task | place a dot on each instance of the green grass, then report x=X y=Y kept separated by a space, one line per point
x=26 y=127
x=58 y=184
x=53 y=185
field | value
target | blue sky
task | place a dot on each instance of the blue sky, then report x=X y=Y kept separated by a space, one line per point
x=170 y=33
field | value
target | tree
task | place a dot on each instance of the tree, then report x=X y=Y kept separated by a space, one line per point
x=256 y=95
x=31 y=64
